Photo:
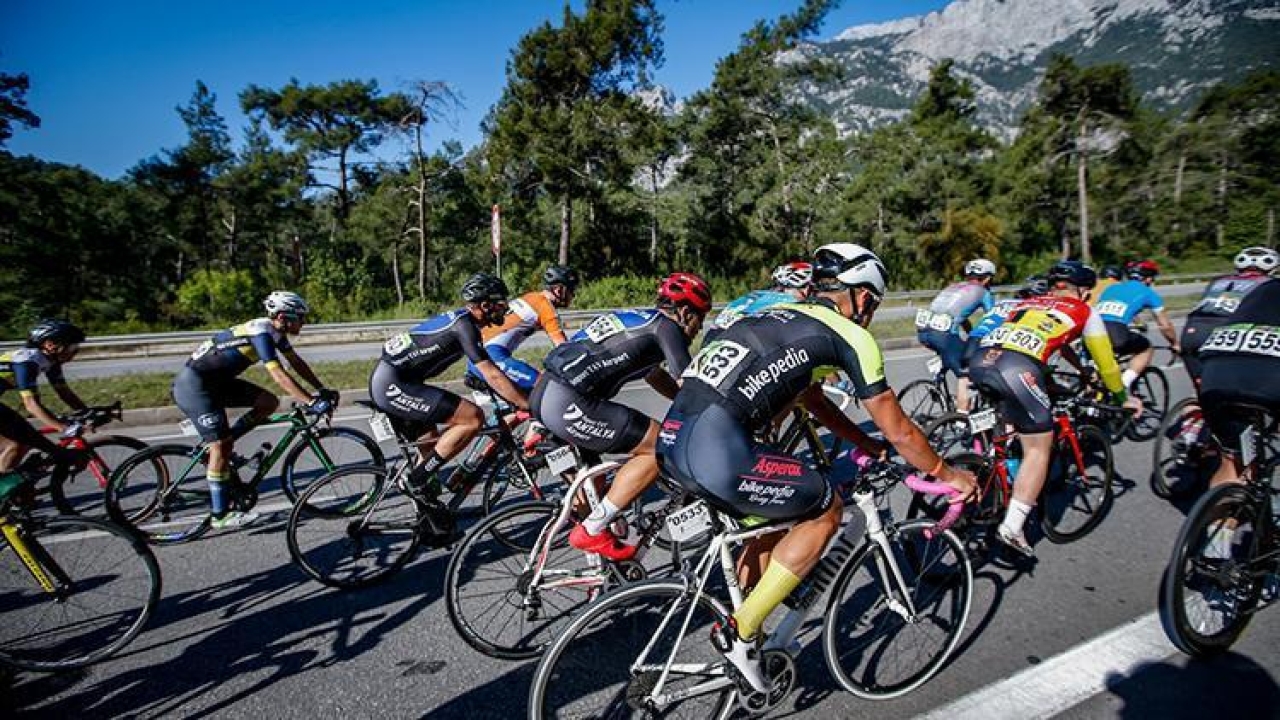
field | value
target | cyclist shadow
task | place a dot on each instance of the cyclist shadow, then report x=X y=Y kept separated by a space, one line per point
x=254 y=631
x=1230 y=685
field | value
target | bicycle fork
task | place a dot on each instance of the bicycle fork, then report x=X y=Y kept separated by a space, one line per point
x=52 y=580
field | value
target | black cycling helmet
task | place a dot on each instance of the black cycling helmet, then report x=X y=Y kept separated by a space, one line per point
x=560 y=275
x=1074 y=272
x=1035 y=286
x=1113 y=272
x=59 y=331
x=483 y=287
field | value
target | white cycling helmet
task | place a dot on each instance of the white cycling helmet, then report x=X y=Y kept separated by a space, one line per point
x=1257 y=258
x=848 y=265
x=283 y=301
x=795 y=275
x=980 y=267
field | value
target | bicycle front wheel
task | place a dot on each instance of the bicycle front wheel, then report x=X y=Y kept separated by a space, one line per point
x=320 y=452
x=1213 y=581
x=1152 y=387
x=884 y=638
x=1076 y=496
x=609 y=661
x=163 y=493
x=106 y=583
x=83 y=492
x=923 y=401
x=352 y=528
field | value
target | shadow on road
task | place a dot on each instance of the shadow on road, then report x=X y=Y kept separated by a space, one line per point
x=1232 y=685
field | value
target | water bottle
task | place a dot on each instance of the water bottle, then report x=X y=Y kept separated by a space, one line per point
x=477 y=453
x=1011 y=466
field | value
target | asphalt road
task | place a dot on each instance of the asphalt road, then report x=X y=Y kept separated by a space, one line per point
x=242 y=633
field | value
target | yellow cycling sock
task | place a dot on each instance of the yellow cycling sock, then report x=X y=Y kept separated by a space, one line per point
x=774 y=587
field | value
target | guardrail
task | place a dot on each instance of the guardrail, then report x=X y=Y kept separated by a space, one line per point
x=182 y=342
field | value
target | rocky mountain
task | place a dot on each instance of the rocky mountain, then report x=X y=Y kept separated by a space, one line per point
x=1176 y=49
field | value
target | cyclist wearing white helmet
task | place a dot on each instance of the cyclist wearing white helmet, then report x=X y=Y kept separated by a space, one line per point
x=737 y=385
x=50 y=345
x=1221 y=298
x=210 y=383
x=791 y=282
x=938 y=326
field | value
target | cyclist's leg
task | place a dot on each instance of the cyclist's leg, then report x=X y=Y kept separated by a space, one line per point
x=201 y=402
x=1124 y=341
x=16 y=437
x=260 y=401
x=1193 y=336
x=423 y=407
x=1234 y=378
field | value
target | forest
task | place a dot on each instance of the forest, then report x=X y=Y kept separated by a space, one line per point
x=334 y=193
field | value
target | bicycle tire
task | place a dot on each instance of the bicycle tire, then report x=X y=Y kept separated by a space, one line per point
x=349 y=447
x=153 y=493
x=487 y=582
x=1074 y=500
x=351 y=529
x=1152 y=387
x=950 y=435
x=1177 y=469
x=83 y=492
x=1201 y=609
x=939 y=577
x=923 y=401
x=78 y=546
x=595 y=654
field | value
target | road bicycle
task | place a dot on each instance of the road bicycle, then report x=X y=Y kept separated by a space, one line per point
x=356 y=526
x=73 y=590
x=163 y=491
x=1226 y=562
x=1183 y=455
x=927 y=398
x=82 y=492
x=897 y=599
x=1078 y=492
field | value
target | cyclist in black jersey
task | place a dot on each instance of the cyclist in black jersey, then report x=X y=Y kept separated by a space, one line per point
x=50 y=345
x=574 y=397
x=398 y=383
x=210 y=383
x=1221 y=297
x=758 y=369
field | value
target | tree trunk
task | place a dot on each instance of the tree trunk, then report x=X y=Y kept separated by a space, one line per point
x=880 y=218
x=1177 y=179
x=1082 y=189
x=395 y=274
x=1222 y=202
x=229 y=224
x=786 y=181
x=342 y=185
x=566 y=225
x=1271 y=227
x=653 y=217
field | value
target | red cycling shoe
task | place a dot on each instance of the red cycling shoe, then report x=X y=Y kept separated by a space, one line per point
x=606 y=544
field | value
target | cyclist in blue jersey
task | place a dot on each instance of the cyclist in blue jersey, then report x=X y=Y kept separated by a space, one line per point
x=1119 y=304
x=50 y=345
x=791 y=283
x=938 y=327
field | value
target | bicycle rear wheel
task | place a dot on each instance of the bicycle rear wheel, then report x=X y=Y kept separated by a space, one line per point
x=608 y=661
x=871 y=649
x=923 y=401
x=1213 y=581
x=352 y=528
x=1183 y=458
x=161 y=492
x=1152 y=387
x=322 y=452
x=1075 y=499
x=83 y=492
x=106 y=584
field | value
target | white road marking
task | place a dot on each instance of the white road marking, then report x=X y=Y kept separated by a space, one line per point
x=1066 y=680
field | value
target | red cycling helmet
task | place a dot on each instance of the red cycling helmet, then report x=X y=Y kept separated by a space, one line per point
x=1143 y=269
x=685 y=289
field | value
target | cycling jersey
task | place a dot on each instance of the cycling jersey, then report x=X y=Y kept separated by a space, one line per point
x=1123 y=301
x=752 y=302
x=19 y=370
x=1223 y=294
x=526 y=315
x=993 y=319
x=1101 y=287
x=1039 y=327
x=619 y=347
x=433 y=345
x=231 y=352
x=1242 y=364
x=952 y=306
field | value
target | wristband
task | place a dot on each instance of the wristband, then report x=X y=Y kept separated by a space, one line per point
x=936 y=468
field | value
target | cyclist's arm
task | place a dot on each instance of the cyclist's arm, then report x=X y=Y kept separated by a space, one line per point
x=68 y=396
x=502 y=384
x=300 y=366
x=1166 y=329
x=550 y=321
x=286 y=382
x=659 y=380
x=911 y=444
x=31 y=401
x=1098 y=344
x=829 y=415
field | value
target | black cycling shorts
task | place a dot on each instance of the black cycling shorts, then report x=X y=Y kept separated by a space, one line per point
x=949 y=347
x=415 y=408
x=713 y=456
x=1193 y=336
x=205 y=401
x=601 y=426
x=1124 y=341
x=1019 y=386
x=972 y=347
x=1229 y=379
x=15 y=428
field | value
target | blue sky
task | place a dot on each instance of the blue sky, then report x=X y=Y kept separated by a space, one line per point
x=107 y=75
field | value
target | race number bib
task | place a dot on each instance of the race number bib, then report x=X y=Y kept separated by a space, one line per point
x=1113 y=308
x=941 y=322
x=934 y=365
x=1017 y=338
x=1259 y=340
x=922 y=319
x=716 y=362
x=603 y=327
x=397 y=344
x=380 y=424
x=1225 y=304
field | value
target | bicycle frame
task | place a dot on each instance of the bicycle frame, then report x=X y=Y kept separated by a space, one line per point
x=28 y=554
x=298 y=425
x=584 y=482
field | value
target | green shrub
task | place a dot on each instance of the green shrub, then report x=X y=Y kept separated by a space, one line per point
x=214 y=296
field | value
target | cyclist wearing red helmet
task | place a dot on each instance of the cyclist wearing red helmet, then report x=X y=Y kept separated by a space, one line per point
x=574 y=397
x=1120 y=303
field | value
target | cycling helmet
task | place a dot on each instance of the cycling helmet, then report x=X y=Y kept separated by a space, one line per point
x=980 y=268
x=59 y=331
x=1113 y=272
x=1074 y=272
x=1035 y=286
x=846 y=265
x=1257 y=258
x=560 y=275
x=283 y=301
x=483 y=287
x=795 y=275
x=687 y=289
x=1143 y=269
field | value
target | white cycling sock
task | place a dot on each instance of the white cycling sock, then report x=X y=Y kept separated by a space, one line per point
x=1127 y=377
x=1016 y=517
x=600 y=517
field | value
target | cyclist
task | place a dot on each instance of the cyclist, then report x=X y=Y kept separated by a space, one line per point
x=1035 y=286
x=1014 y=369
x=574 y=397
x=526 y=315
x=938 y=327
x=1241 y=363
x=791 y=282
x=50 y=345
x=757 y=370
x=210 y=383
x=1121 y=303
x=1220 y=300
x=1110 y=275
x=398 y=386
